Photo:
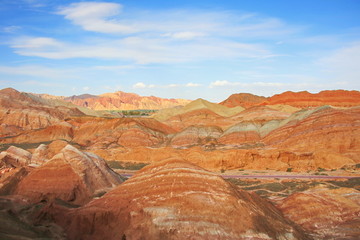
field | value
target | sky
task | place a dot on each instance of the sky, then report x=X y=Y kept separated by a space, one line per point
x=179 y=49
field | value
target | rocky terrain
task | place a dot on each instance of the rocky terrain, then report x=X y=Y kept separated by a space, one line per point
x=336 y=98
x=55 y=182
x=119 y=101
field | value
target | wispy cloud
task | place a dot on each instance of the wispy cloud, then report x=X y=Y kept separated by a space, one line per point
x=106 y=17
x=11 y=29
x=343 y=64
x=145 y=37
x=94 y=16
x=140 y=50
x=184 y=35
x=192 y=84
x=139 y=85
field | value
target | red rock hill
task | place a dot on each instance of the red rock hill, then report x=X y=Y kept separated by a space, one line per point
x=244 y=100
x=174 y=199
x=338 y=98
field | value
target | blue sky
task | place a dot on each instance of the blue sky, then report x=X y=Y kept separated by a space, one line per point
x=179 y=49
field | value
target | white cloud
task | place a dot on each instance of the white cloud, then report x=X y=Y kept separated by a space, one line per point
x=139 y=85
x=184 y=35
x=94 y=16
x=343 y=64
x=42 y=43
x=167 y=36
x=140 y=50
x=192 y=85
x=115 y=67
x=106 y=17
x=221 y=83
x=86 y=88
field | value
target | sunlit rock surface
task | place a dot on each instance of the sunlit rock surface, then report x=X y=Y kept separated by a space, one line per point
x=174 y=199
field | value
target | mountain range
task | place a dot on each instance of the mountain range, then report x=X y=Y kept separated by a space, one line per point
x=56 y=181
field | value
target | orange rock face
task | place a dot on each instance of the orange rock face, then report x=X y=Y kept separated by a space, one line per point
x=338 y=98
x=267 y=158
x=19 y=110
x=245 y=100
x=196 y=135
x=15 y=157
x=327 y=214
x=173 y=199
x=203 y=117
x=124 y=101
x=129 y=132
x=61 y=130
x=71 y=176
x=334 y=130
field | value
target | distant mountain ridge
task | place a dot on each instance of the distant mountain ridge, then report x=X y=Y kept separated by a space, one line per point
x=121 y=101
x=304 y=99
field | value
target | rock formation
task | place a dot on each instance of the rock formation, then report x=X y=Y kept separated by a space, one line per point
x=324 y=128
x=199 y=117
x=246 y=158
x=174 y=199
x=16 y=221
x=196 y=105
x=71 y=175
x=120 y=101
x=325 y=213
x=196 y=135
x=24 y=111
x=15 y=157
x=129 y=132
x=244 y=100
x=337 y=98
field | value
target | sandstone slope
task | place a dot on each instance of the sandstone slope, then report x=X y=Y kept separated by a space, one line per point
x=327 y=214
x=123 y=101
x=338 y=98
x=244 y=100
x=324 y=128
x=203 y=117
x=174 y=199
x=20 y=111
x=124 y=132
x=196 y=105
x=71 y=175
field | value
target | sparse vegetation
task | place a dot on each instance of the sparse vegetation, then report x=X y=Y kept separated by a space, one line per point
x=281 y=188
x=126 y=165
x=135 y=113
x=350 y=183
x=289 y=170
